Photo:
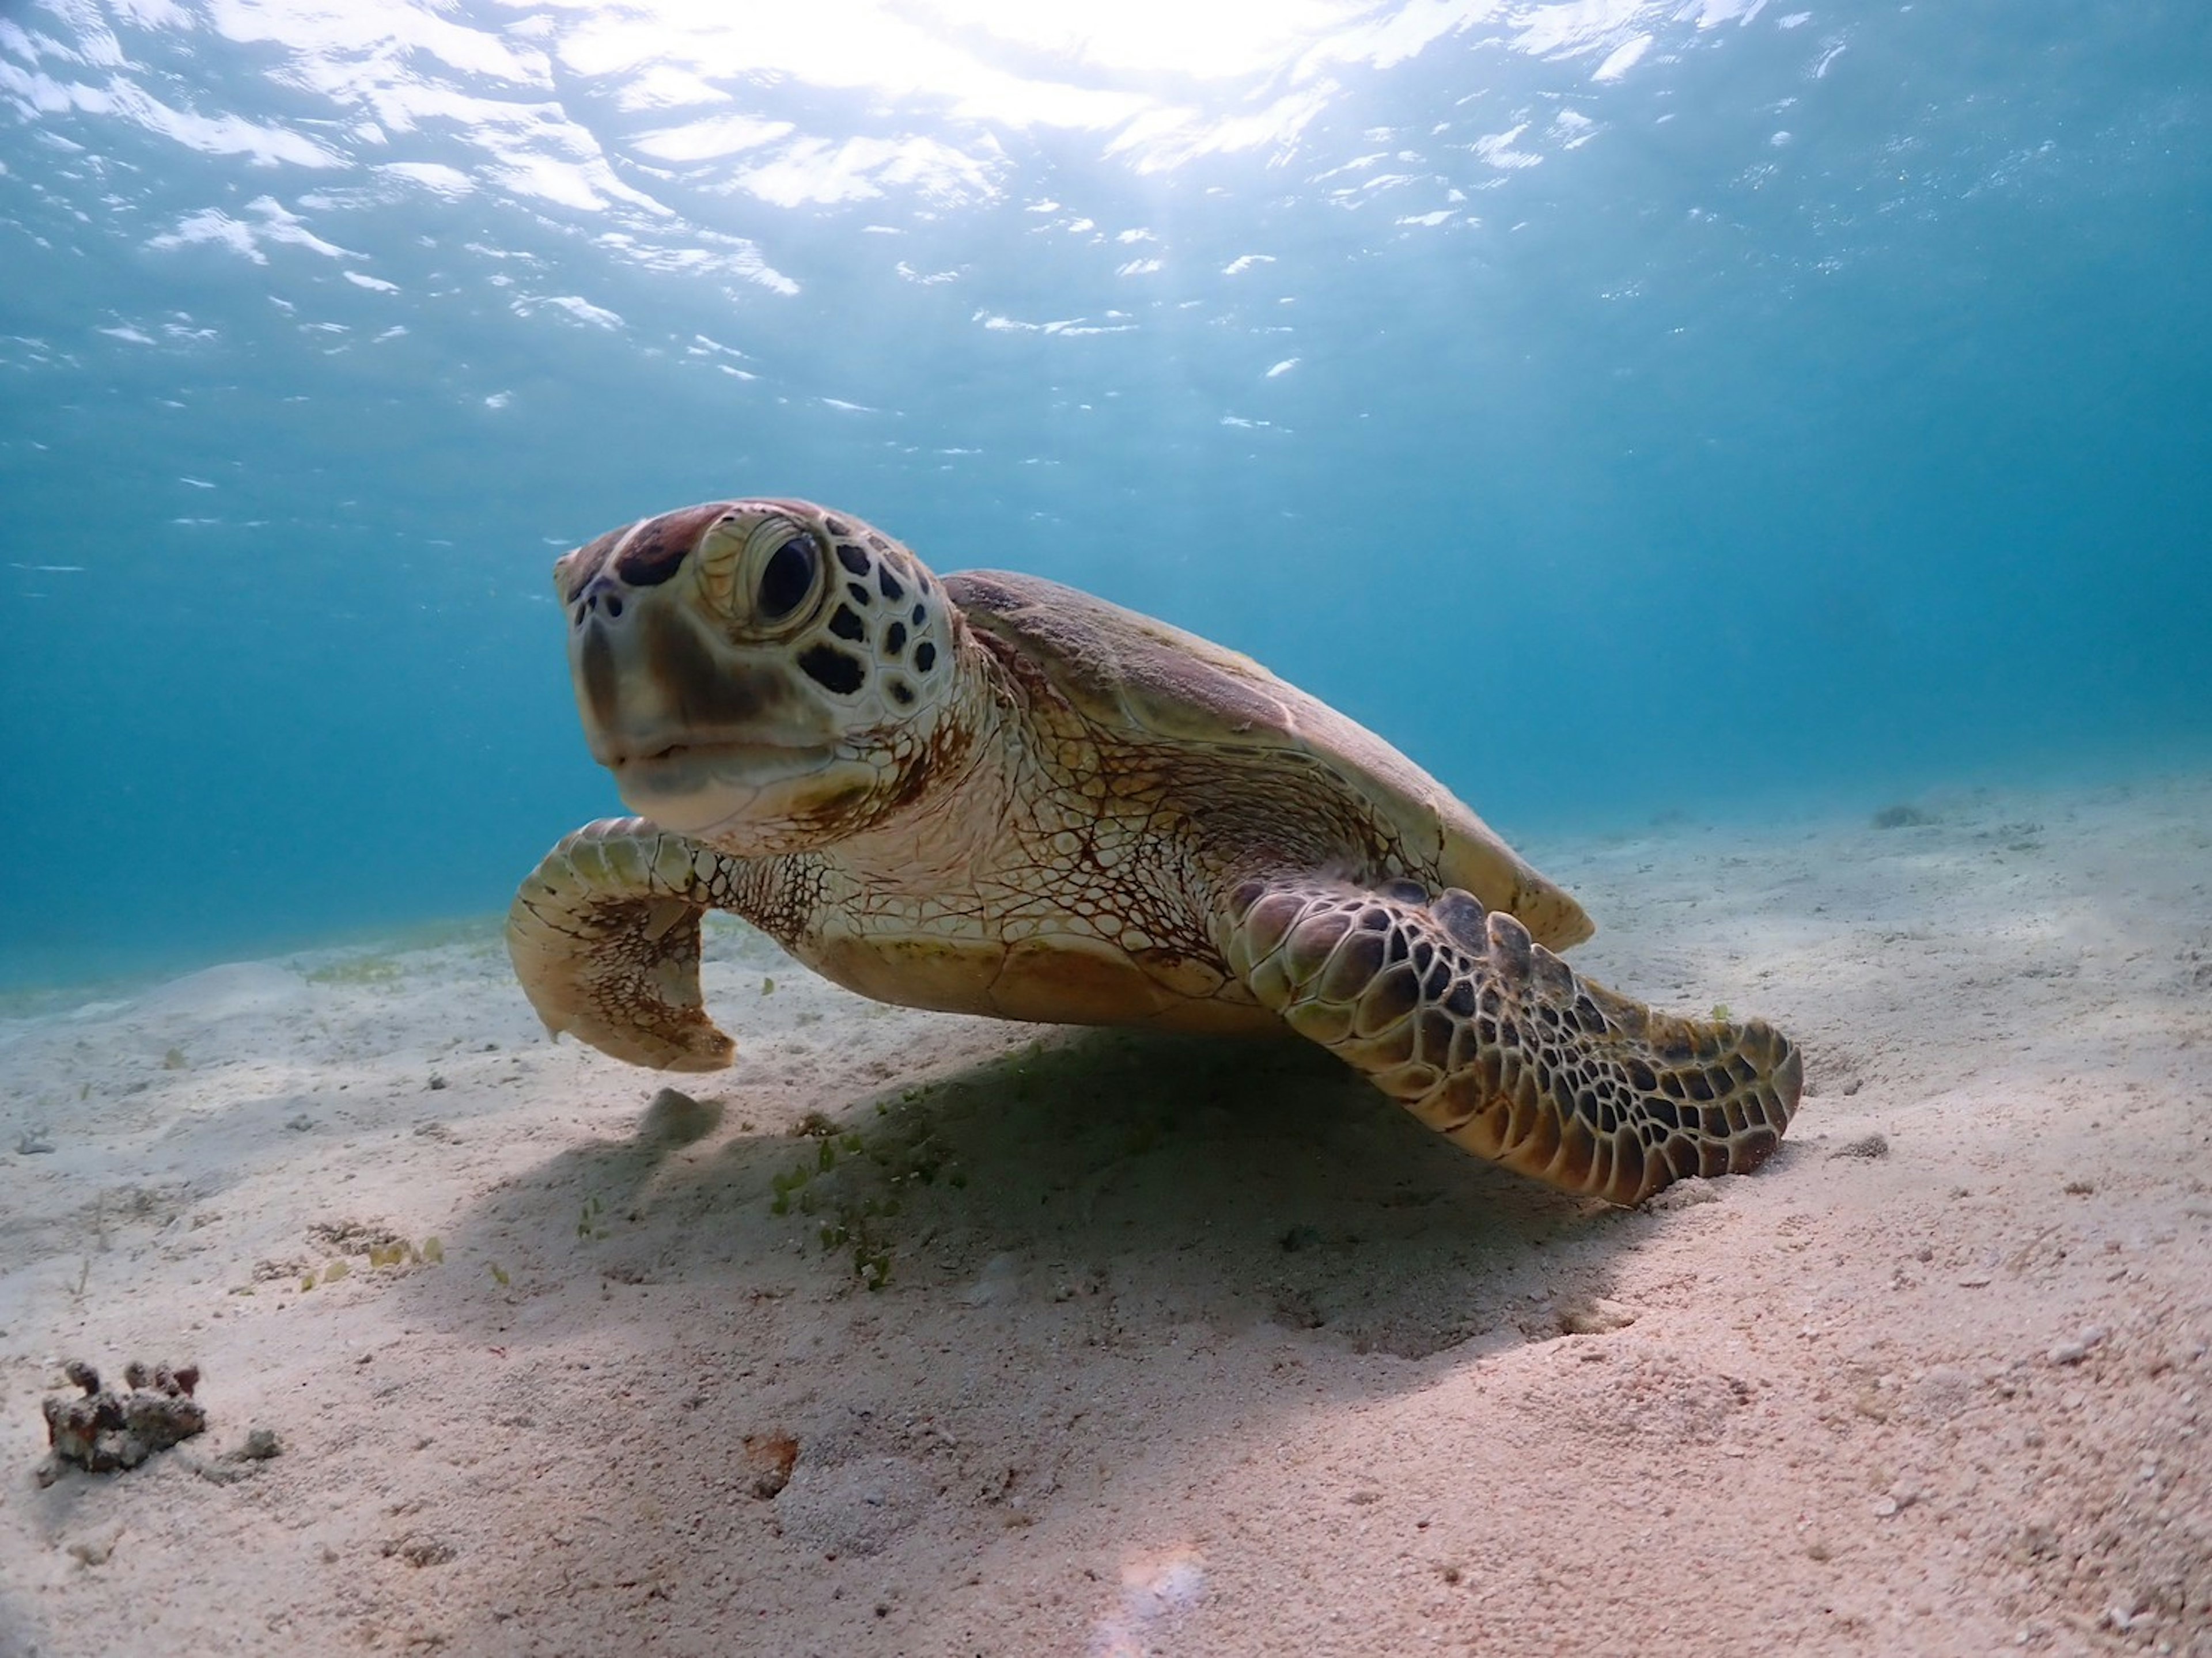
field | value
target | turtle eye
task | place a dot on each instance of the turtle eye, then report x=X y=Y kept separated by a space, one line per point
x=787 y=579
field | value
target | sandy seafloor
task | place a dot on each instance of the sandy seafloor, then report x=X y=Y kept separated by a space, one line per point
x=1186 y=1347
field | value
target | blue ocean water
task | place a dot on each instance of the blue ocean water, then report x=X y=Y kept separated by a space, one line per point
x=1722 y=407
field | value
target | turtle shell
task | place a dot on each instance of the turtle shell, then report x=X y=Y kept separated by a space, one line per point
x=1126 y=671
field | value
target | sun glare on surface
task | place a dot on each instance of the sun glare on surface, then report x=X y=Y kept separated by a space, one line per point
x=622 y=106
x=993 y=55
x=1219 y=39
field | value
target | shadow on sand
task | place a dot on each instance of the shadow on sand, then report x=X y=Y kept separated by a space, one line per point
x=1107 y=1261
x=1183 y=1179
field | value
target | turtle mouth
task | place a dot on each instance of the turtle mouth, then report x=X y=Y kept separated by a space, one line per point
x=737 y=762
x=713 y=789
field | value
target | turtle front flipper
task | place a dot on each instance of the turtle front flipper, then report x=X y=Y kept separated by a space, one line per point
x=1487 y=1036
x=605 y=936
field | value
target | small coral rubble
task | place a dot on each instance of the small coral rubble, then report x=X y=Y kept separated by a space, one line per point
x=105 y=1429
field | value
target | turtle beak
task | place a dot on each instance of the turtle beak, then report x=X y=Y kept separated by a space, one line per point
x=651 y=677
x=692 y=740
x=659 y=685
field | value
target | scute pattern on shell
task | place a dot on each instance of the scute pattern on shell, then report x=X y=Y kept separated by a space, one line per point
x=1134 y=677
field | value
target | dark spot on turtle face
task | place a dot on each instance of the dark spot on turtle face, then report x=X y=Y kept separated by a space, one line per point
x=889 y=583
x=1460 y=999
x=918 y=616
x=861 y=596
x=895 y=639
x=877 y=541
x=851 y=556
x=658 y=548
x=832 y=669
x=836 y=526
x=925 y=657
x=901 y=693
x=845 y=625
x=652 y=557
x=1399 y=949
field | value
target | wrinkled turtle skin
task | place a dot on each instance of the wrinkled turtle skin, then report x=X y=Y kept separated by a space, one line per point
x=993 y=794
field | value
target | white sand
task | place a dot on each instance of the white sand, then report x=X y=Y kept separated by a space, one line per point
x=1187 y=1347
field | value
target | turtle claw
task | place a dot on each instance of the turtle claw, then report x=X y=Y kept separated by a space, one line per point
x=696 y=1044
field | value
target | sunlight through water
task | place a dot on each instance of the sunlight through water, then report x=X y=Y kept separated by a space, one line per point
x=1819 y=384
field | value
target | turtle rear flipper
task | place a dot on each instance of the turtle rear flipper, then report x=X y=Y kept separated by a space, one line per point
x=1487 y=1036
x=604 y=936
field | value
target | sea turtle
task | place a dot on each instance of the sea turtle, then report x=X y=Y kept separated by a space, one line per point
x=993 y=794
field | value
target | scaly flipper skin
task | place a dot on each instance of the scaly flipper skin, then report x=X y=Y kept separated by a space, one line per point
x=1490 y=1038
x=605 y=936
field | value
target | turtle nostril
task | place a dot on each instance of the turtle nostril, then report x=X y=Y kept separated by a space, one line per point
x=599 y=598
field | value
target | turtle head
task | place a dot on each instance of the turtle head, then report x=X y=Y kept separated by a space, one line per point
x=761 y=675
